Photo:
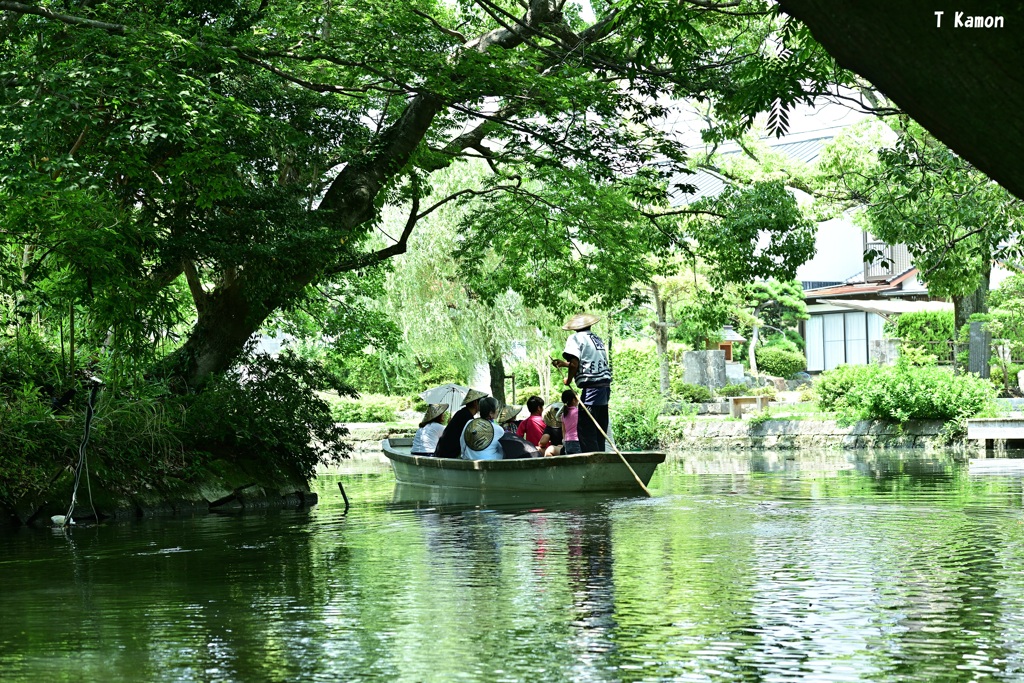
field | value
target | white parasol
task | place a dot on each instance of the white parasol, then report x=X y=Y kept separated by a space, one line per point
x=452 y=394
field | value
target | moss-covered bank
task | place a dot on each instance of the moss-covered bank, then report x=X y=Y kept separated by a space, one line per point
x=218 y=485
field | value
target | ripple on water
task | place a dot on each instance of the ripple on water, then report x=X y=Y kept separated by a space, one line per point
x=750 y=567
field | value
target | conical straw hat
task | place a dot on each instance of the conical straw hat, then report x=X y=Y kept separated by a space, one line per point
x=551 y=414
x=580 y=322
x=508 y=413
x=473 y=395
x=479 y=434
x=433 y=410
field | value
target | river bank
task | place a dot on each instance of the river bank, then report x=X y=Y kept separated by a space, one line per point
x=224 y=486
x=220 y=486
x=719 y=433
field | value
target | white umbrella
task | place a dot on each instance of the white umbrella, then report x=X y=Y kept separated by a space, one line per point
x=452 y=394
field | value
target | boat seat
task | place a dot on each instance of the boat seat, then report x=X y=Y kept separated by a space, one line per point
x=400 y=441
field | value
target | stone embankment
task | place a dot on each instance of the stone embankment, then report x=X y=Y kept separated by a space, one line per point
x=798 y=434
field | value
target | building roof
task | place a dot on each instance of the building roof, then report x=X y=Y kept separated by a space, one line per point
x=889 y=307
x=803 y=147
x=731 y=335
x=890 y=287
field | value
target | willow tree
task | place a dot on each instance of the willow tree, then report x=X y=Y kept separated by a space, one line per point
x=246 y=149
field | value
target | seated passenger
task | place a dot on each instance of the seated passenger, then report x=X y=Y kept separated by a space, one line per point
x=532 y=428
x=570 y=417
x=512 y=445
x=551 y=441
x=481 y=438
x=431 y=428
x=448 y=444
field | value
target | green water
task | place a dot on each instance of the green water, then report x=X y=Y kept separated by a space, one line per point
x=819 y=567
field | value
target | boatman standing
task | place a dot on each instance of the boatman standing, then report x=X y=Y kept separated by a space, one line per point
x=587 y=359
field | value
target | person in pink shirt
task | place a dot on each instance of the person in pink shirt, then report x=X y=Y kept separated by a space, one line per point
x=570 y=419
x=532 y=428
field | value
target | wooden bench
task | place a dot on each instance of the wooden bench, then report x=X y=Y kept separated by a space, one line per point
x=736 y=403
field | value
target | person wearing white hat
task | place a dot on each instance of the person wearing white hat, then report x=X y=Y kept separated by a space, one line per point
x=448 y=444
x=587 y=360
x=431 y=428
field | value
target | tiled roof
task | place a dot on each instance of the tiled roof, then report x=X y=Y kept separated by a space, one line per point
x=892 y=287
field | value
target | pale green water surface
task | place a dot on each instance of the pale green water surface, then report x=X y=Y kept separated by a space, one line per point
x=766 y=567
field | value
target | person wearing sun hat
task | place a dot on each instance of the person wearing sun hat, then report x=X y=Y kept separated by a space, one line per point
x=587 y=359
x=481 y=438
x=431 y=428
x=512 y=445
x=551 y=440
x=507 y=417
x=448 y=444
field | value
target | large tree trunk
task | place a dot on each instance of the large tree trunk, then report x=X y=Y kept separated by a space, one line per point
x=966 y=306
x=752 y=349
x=229 y=315
x=497 y=368
x=959 y=83
x=660 y=326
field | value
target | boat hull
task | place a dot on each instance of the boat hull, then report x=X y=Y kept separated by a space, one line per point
x=583 y=472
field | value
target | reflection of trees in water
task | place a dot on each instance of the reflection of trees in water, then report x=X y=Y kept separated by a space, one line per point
x=170 y=598
x=592 y=585
x=952 y=592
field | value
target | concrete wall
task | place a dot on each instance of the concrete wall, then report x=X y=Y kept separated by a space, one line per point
x=687 y=434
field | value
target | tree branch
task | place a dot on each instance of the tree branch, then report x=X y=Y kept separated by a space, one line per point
x=452 y=33
x=20 y=8
x=199 y=295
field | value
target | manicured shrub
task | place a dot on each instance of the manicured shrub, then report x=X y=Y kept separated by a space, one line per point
x=929 y=332
x=833 y=386
x=903 y=392
x=779 y=362
x=732 y=390
x=691 y=393
x=767 y=390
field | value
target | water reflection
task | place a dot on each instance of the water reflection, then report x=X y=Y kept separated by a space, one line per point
x=827 y=566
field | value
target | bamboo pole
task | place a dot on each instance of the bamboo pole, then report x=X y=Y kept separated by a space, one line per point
x=614 y=447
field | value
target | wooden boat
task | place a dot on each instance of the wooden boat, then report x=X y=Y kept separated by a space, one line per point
x=574 y=473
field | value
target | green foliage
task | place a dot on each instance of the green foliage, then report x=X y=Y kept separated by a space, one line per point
x=810 y=394
x=735 y=243
x=691 y=393
x=733 y=390
x=269 y=406
x=701 y=315
x=264 y=414
x=953 y=219
x=635 y=424
x=779 y=362
x=902 y=392
x=760 y=417
x=924 y=334
x=37 y=446
x=1007 y=376
x=768 y=390
x=635 y=368
x=367 y=408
